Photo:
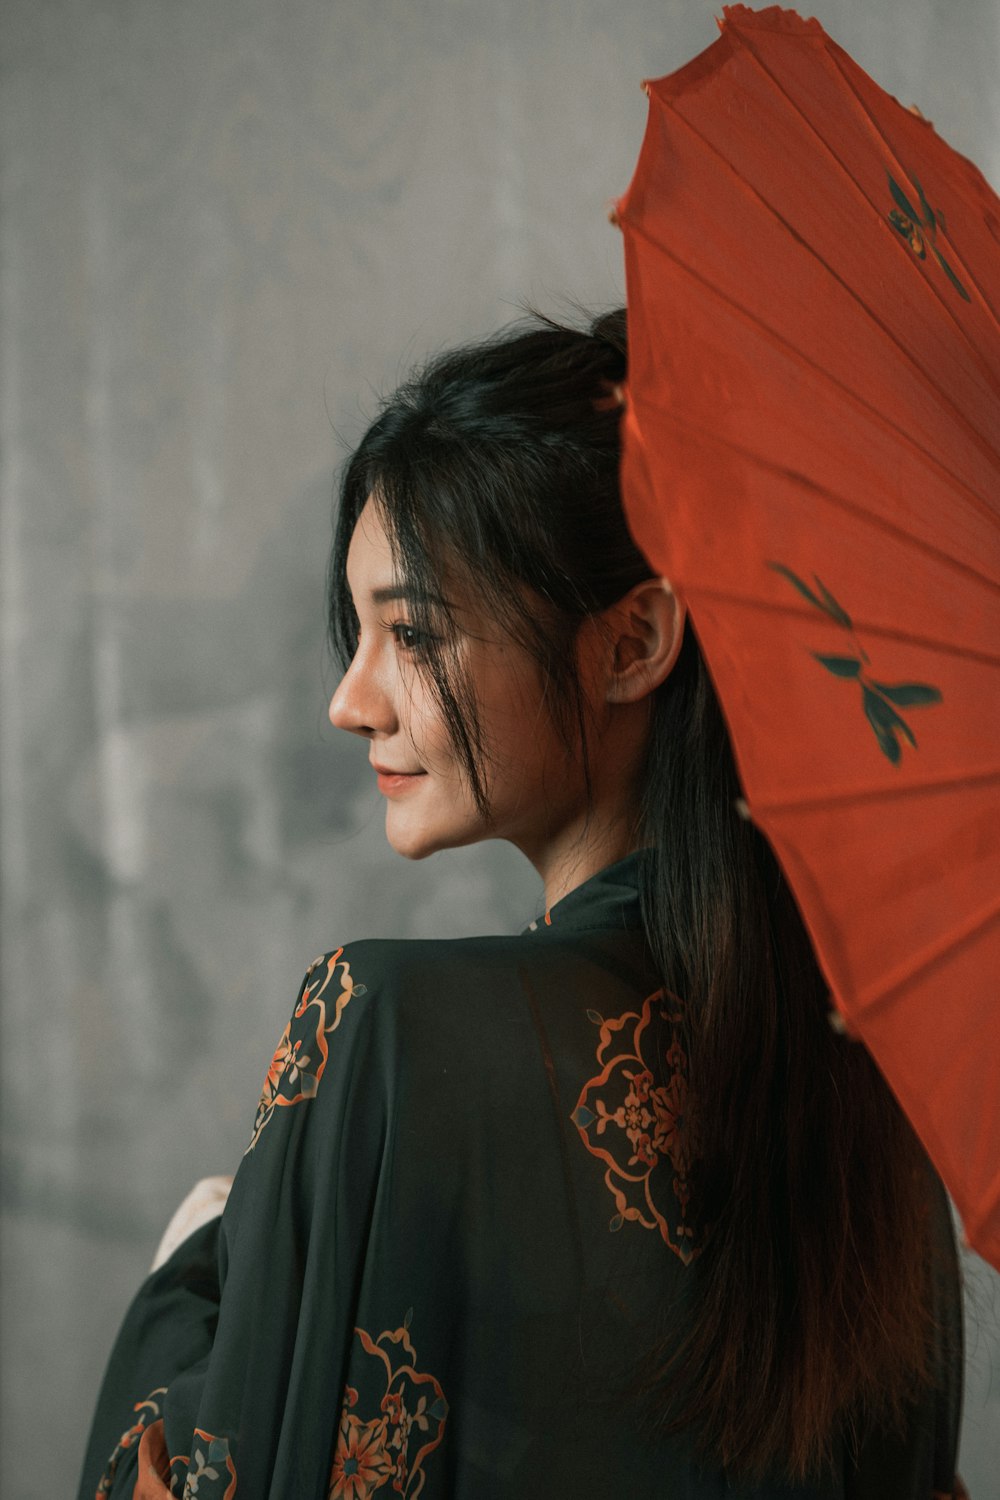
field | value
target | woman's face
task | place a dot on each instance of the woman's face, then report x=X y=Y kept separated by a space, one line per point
x=536 y=789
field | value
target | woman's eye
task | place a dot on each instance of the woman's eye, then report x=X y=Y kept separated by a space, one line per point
x=408 y=636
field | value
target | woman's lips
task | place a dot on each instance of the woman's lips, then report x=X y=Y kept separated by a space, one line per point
x=391 y=782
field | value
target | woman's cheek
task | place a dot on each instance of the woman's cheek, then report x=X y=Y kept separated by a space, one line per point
x=421 y=720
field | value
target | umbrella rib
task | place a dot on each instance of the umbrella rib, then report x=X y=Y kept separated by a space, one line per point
x=930 y=957
x=881 y=523
x=884 y=632
x=640 y=232
x=879 y=794
x=890 y=152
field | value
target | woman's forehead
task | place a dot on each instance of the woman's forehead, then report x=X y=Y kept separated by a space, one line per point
x=372 y=566
x=370 y=538
x=375 y=568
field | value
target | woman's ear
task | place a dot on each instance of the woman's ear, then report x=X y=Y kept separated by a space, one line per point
x=646 y=628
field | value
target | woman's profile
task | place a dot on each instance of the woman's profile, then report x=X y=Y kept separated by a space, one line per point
x=603 y=1208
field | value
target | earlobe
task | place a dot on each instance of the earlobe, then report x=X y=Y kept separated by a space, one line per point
x=648 y=630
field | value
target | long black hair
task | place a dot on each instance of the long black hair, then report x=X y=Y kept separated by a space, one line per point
x=812 y=1289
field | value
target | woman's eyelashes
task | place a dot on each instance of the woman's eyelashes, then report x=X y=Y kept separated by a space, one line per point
x=407 y=636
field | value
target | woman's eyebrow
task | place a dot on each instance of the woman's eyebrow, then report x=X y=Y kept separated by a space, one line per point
x=400 y=591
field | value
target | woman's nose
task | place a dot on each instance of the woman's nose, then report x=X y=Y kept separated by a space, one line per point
x=360 y=703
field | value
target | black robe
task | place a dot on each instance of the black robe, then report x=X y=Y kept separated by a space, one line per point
x=462 y=1217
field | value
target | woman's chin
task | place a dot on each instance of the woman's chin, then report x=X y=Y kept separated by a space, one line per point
x=416 y=841
x=414 y=851
x=411 y=842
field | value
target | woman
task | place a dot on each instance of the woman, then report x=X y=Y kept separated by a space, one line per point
x=607 y=1208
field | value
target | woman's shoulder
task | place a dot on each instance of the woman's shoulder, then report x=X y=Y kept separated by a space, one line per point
x=415 y=1003
x=410 y=1016
x=594 y=927
x=388 y=961
x=382 y=1009
x=403 y=969
x=391 y=978
x=404 y=954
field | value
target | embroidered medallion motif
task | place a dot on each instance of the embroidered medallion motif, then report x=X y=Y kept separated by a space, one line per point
x=643 y=1130
x=301 y=1055
x=391 y=1421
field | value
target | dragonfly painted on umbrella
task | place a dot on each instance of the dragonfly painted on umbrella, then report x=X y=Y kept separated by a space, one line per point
x=919 y=228
x=880 y=700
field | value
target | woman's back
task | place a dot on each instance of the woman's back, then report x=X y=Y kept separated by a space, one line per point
x=462 y=1222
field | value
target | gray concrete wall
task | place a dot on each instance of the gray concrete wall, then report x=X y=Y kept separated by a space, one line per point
x=225 y=223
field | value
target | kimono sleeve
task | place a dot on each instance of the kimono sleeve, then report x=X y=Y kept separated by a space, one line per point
x=169 y=1328
x=258 y=1412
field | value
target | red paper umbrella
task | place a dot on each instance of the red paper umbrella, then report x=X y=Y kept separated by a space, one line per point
x=812 y=458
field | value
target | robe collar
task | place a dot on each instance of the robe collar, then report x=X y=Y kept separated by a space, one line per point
x=609 y=899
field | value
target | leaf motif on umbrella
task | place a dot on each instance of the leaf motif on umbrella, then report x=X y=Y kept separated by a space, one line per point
x=885 y=721
x=827 y=603
x=840 y=666
x=911 y=223
x=832 y=607
x=877 y=698
x=908 y=694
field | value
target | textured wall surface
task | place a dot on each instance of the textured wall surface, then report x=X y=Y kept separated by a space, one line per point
x=226 y=224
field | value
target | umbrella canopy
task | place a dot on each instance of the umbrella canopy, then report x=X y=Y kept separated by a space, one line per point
x=812 y=458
